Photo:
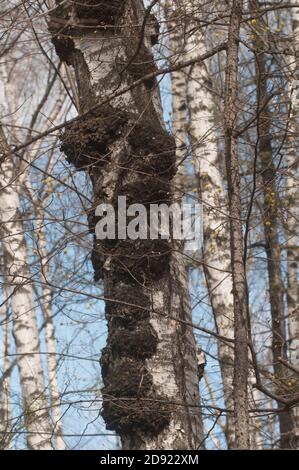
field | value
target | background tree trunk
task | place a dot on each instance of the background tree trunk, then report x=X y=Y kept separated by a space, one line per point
x=5 y=405
x=25 y=329
x=292 y=196
x=216 y=245
x=240 y=381
x=270 y=223
x=46 y=308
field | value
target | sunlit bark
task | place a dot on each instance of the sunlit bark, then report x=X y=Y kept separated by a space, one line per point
x=150 y=394
x=25 y=329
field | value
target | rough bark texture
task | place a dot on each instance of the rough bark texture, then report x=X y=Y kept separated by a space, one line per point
x=257 y=433
x=216 y=244
x=150 y=393
x=240 y=290
x=5 y=406
x=271 y=232
x=25 y=328
x=46 y=308
x=176 y=49
x=292 y=198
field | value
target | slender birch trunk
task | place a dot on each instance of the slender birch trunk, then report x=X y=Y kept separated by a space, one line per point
x=150 y=393
x=52 y=363
x=46 y=305
x=216 y=247
x=25 y=329
x=256 y=430
x=240 y=290
x=5 y=408
x=46 y=308
x=292 y=197
x=176 y=49
x=271 y=232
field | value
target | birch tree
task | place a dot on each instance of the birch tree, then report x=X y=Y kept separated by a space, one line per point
x=271 y=228
x=293 y=214
x=25 y=329
x=150 y=393
x=5 y=405
x=216 y=247
x=233 y=104
x=240 y=290
x=46 y=307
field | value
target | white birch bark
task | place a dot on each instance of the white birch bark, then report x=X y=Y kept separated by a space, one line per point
x=216 y=248
x=52 y=363
x=167 y=417
x=11 y=94
x=25 y=328
x=292 y=198
x=256 y=429
x=176 y=50
x=46 y=307
x=5 y=407
x=270 y=221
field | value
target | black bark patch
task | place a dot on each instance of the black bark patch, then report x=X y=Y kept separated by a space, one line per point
x=149 y=415
x=161 y=164
x=153 y=27
x=60 y=32
x=143 y=261
x=98 y=11
x=97 y=259
x=141 y=65
x=127 y=378
x=134 y=307
x=129 y=399
x=139 y=342
x=78 y=18
x=85 y=141
x=153 y=147
x=105 y=361
x=64 y=47
x=146 y=190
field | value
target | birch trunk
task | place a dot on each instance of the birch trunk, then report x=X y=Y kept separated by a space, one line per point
x=25 y=329
x=150 y=393
x=257 y=432
x=46 y=308
x=292 y=197
x=271 y=232
x=52 y=362
x=240 y=290
x=5 y=408
x=176 y=49
x=46 y=301
x=216 y=247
